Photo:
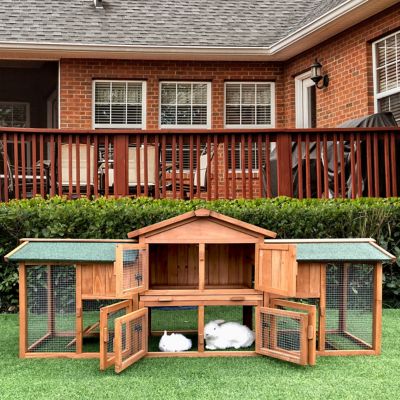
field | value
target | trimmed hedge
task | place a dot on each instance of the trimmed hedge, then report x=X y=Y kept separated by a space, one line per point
x=113 y=218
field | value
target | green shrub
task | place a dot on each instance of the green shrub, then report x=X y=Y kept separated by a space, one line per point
x=113 y=218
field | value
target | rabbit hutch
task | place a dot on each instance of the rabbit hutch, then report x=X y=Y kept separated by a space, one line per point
x=117 y=300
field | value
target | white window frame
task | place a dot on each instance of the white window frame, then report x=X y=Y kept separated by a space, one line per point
x=28 y=110
x=252 y=126
x=302 y=82
x=119 y=126
x=387 y=93
x=176 y=126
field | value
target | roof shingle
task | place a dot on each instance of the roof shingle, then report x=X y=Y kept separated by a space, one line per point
x=208 y=23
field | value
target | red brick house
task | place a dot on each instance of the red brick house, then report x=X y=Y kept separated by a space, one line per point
x=151 y=97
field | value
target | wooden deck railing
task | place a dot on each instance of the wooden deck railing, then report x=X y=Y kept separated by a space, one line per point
x=206 y=164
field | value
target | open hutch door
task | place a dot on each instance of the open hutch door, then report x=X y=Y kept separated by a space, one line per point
x=282 y=334
x=277 y=269
x=131 y=338
x=286 y=330
x=131 y=269
x=108 y=315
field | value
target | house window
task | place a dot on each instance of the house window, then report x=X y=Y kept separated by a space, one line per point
x=185 y=104
x=249 y=104
x=119 y=104
x=387 y=74
x=15 y=115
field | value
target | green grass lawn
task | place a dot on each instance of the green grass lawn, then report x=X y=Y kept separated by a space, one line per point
x=212 y=378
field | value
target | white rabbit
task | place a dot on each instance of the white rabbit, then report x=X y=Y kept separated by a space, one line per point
x=174 y=342
x=222 y=335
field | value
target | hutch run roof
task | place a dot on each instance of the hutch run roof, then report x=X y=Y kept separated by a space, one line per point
x=55 y=250
x=59 y=250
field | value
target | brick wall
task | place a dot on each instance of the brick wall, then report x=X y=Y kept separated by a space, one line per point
x=77 y=77
x=347 y=59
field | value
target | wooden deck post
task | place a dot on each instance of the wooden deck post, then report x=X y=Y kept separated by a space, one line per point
x=284 y=164
x=120 y=165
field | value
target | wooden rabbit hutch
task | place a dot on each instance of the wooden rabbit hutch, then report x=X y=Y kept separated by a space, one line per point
x=114 y=299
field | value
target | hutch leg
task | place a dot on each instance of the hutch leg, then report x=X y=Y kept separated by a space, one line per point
x=377 y=310
x=79 y=316
x=322 y=310
x=22 y=311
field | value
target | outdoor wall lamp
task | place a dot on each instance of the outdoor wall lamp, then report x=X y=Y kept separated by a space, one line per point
x=321 y=81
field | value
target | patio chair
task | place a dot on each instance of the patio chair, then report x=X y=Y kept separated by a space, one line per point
x=197 y=186
x=132 y=169
x=25 y=176
x=83 y=163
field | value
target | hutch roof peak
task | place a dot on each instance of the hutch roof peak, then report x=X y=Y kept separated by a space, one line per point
x=203 y=224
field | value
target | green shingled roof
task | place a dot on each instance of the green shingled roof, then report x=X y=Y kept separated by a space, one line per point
x=340 y=251
x=66 y=251
x=71 y=251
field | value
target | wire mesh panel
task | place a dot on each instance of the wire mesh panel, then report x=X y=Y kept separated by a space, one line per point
x=91 y=322
x=51 y=308
x=349 y=306
x=282 y=334
x=182 y=320
x=307 y=307
x=130 y=338
x=233 y=337
x=108 y=315
x=130 y=269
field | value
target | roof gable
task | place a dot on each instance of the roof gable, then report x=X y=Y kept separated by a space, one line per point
x=209 y=219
